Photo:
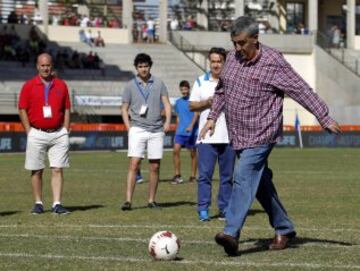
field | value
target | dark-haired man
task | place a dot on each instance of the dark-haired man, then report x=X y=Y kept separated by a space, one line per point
x=215 y=148
x=142 y=97
x=251 y=91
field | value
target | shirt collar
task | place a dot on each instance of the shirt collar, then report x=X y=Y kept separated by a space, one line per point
x=140 y=82
x=39 y=81
x=208 y=77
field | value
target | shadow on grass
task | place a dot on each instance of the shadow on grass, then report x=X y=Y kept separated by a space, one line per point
x=263 y=244
x=83 y=208
x=164 y=205
x=250 y=213
x=8 y=213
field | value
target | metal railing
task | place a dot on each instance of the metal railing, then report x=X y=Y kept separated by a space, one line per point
x=186 y=47
x=349 y=58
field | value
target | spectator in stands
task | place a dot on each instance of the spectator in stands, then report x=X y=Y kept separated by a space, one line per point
x=190 y=23
x=113 y=23
x=23 y=19
x=97 y=22
x=55 y=20
x=150 y=28
x=144 y=31
x=301 y=29
x=44 y=109
x=143 y=96
x=215 y=148
x=37 y=19
x=335 y=36
x=85 y=22
x=268 y=28
x=90 y=61
x=186 y=133
x=59 y=61
x=174 y=24
x=253 y=108
x=85 y=37
x=12 y=18
x=99 y=41
x=89 y=37
x=75 y=60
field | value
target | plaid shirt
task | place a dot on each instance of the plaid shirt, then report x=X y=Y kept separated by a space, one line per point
x=252 y=93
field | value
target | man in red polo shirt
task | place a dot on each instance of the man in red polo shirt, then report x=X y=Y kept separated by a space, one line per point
x=44 y=109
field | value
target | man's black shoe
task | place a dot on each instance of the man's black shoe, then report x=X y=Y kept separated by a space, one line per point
x=153 y=205
x=126 y=206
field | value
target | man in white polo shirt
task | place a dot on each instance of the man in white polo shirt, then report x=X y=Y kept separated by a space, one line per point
x=215 y=147
x=143 y=97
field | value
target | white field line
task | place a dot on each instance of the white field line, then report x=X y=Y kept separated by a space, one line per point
x=141 y=240
x=163 y=226
x=286 y=265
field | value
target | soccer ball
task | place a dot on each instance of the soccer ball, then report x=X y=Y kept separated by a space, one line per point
x=164 y=245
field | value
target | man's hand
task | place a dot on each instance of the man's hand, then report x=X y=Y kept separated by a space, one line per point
x=334 y=128
x=210 y=101
x=209 y=126
x=166 y=127
x=189 y=128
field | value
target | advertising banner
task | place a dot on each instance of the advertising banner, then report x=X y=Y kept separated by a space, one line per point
x=106 y=140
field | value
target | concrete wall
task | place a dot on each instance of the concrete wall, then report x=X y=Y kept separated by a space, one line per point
x=357 y=43
x=71 y=33
x=300 y=44
x=338 y=87
x=305 y=66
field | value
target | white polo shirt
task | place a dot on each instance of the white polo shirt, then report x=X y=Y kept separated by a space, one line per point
x=203 y=88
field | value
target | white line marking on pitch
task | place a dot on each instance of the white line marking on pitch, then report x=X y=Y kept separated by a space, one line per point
x=185 y=242
x=187 y=262
x=154 y=226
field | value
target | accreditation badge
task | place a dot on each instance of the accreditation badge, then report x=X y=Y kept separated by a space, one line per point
x=143 y=110
x=47 y=113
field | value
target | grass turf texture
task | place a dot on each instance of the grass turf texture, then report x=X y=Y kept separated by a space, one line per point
x=319 y=187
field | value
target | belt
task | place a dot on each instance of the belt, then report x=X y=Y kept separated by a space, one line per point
x=48 y=130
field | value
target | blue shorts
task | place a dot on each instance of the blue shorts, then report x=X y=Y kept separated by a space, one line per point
x=188 y=142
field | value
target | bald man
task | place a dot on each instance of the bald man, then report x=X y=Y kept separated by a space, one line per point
x=44 y=109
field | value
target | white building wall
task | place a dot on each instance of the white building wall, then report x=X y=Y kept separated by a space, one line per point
x=304 y=64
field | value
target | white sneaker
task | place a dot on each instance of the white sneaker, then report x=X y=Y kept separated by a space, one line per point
x=177 y=180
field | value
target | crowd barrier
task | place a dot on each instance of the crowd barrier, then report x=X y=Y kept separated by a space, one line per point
x=89 y=137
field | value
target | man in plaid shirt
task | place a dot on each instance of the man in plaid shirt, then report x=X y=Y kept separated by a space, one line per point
x=251 y=91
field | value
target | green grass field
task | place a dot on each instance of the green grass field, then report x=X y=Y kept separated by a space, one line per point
x=319 y=187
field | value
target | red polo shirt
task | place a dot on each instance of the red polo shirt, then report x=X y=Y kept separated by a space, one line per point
x=32 y=99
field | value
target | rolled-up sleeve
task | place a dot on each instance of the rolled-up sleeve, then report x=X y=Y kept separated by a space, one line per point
x=218 y=101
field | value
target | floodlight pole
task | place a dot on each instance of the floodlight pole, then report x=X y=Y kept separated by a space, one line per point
x=44 y=12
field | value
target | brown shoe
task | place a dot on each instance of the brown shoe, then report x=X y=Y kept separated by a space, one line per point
x=281 y=241
x=230 y=244
x=192 y=179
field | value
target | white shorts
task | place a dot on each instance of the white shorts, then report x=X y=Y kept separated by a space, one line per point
x=56 y=144
x=139 y=140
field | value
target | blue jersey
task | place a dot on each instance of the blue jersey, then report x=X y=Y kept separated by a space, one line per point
x=185 y=117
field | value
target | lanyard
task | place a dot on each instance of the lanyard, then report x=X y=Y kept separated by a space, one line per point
x=46 y=92
x=145 y=94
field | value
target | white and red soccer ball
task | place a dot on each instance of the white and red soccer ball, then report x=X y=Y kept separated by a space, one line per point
x=164 y=245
